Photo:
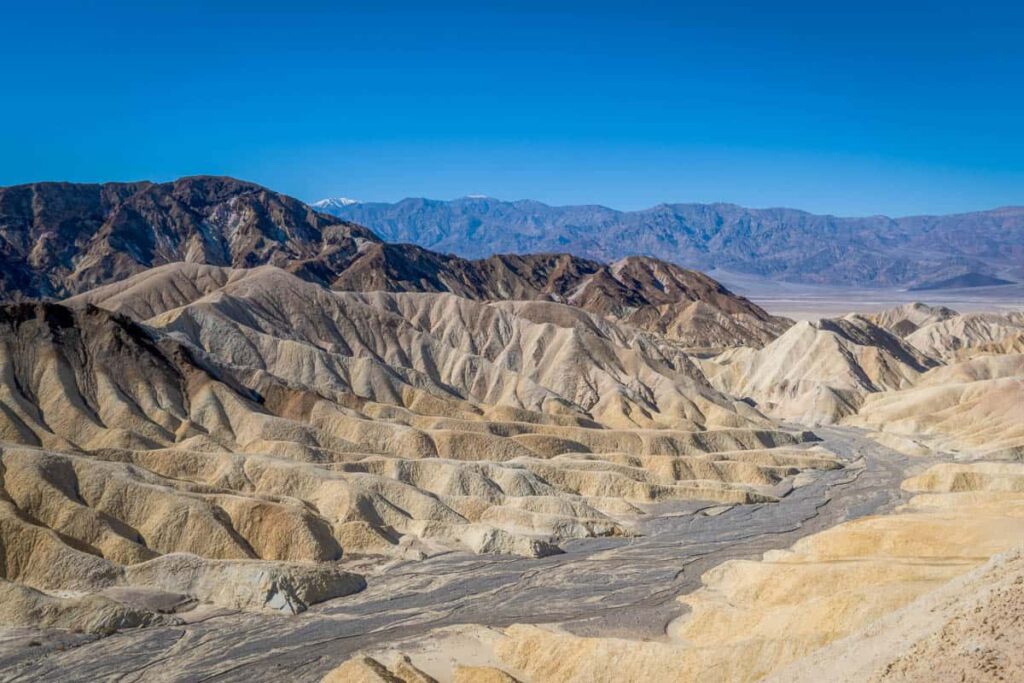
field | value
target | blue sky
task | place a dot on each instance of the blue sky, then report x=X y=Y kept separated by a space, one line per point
x=847 y=108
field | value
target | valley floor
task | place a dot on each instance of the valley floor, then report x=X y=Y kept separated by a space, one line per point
x=811 y=302
x=613 y=587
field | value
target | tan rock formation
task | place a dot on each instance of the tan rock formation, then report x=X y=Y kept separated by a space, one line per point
x=908 y=318
x=255 y=427
x=820 y=372
x=972 y=408
x=881 y=583
x=958 y=336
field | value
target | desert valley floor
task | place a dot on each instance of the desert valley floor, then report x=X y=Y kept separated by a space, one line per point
x=241 y=440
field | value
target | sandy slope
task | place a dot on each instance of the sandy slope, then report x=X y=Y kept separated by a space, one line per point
x=879 y=588
x=256 y=417
x=908 y=318
x=858 y=368
x=819 y=372
x=958 y=336
x=249 y=440
x=972 y=408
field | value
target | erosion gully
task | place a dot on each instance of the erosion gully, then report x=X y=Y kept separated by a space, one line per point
x=624 y=587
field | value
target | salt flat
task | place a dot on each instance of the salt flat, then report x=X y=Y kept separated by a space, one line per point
x=810 y=302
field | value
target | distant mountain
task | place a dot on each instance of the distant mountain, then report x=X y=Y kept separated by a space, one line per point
x=333 y=203
x=782 y=244
x=60 y=239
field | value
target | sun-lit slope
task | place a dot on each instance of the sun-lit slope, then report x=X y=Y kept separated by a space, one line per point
x=620 y=376
x=961 y=335
x=967 y=398
x=819 y=372
x=754 y=616
x=77 y=381
x=908 y=318
x=967 y=629
x=889 y=574
x=85 y=380
x=538 y=356
x=944 y=334
x=257 y=427
x=104 y=400
x=74 y=525
x=976 y=369
x=1010 y=344
x=974 y=408
x=158 y=289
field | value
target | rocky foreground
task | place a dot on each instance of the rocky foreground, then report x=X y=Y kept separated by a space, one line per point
x=242 y=441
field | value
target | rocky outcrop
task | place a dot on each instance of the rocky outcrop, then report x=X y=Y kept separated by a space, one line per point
x=969 y=334
x=906 y=319
x=61 y=238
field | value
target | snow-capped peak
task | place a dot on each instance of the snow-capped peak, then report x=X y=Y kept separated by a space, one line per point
x=334 y=203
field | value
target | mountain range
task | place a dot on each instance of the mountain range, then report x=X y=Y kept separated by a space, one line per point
x=61 y=239
x=780 y=244
x=220 y=406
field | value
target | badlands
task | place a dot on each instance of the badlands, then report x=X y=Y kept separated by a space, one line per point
x=244 y=440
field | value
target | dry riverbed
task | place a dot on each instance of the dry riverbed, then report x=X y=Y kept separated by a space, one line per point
x=622 y=587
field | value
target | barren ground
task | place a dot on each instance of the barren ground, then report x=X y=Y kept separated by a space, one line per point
x=614 y=587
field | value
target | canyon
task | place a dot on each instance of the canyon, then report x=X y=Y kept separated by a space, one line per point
x=243 y=439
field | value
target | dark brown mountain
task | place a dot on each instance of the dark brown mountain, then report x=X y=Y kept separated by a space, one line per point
x=60 y=239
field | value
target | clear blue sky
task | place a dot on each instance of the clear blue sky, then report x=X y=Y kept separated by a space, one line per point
x=849 y=108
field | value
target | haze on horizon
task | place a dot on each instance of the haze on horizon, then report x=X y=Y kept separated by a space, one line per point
x=321 y=201
x=895 y=109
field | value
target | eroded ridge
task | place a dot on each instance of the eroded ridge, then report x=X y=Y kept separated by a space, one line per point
x=245 y=433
